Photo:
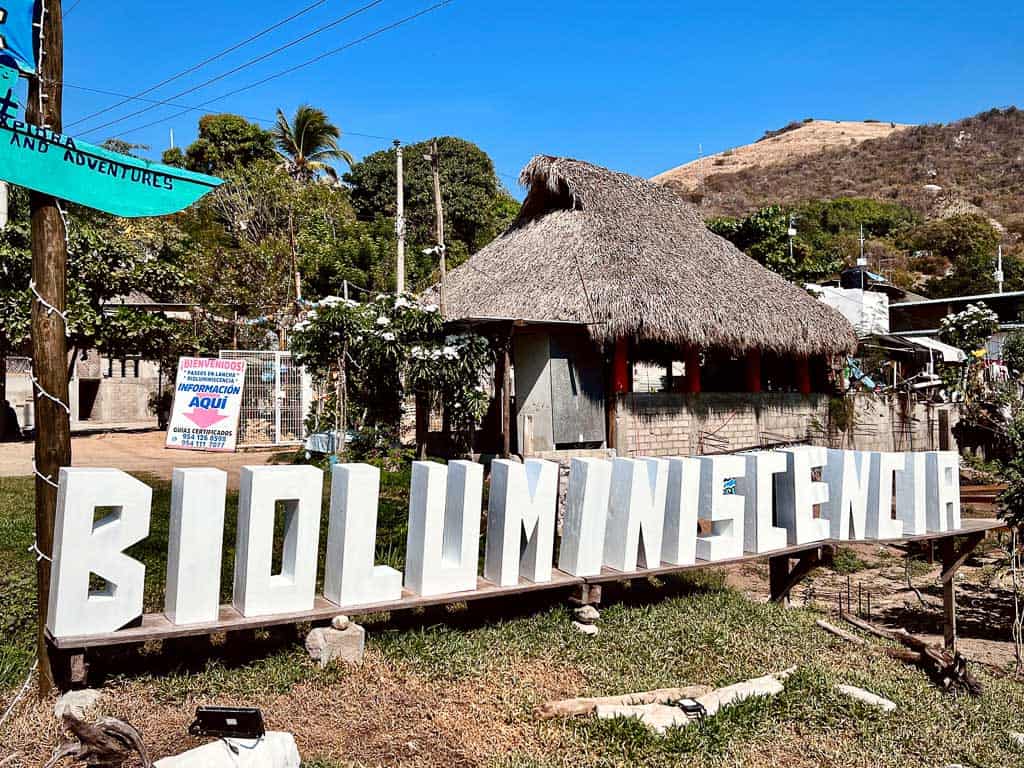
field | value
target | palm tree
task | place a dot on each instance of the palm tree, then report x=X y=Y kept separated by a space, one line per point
x=308 y=143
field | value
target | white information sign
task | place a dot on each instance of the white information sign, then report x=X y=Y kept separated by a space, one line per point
x=207 y=400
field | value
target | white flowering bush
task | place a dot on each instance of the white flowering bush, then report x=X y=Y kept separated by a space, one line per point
x=970 y=328
x=369 y=356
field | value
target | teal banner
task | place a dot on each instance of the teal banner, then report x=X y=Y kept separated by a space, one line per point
x=17 y=34
x=58 y=165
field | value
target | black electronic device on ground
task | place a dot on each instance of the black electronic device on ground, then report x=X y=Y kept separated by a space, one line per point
x=228 y=723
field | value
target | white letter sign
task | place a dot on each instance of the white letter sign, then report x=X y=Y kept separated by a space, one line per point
x=521 y=521
x=82 y=547
x=679 y=540
x=586 y=512
x=756 y=486
x=195 y=545
x=258 y=591
x=799 y=493
x=725 y=511
x=443 y=544
x=636 y=513
x=350 y=577
x=847 y=475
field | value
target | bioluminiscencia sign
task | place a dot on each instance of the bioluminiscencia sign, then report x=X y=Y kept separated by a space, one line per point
x=59 y=165
x=623 y=514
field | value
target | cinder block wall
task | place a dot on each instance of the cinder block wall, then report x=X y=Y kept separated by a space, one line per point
x=671 y=424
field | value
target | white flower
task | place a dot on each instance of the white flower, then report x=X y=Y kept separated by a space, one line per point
x=430 y=307
x=450 y=352
x=300 y=326
x=383 y=321
x=402 y=302
x=388 y=337
x=330 y=301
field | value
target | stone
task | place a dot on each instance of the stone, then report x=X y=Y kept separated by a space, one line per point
x=586 y=614
x=325 y=644
x=586 y=629
x=868 y=698
x=275 y=750
x=83 y=704
x=341 y=623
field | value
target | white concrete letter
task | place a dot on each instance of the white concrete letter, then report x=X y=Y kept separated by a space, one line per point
x=725 y=511
x=798 y=493
x=848 y=476
x=82 y=547
x=521 y=521
x=258 y=591
x=881 y=524
x=943 y=492
x=757 y=486
x=636 y=514
x=586 y=512
x=911 y=501
x=195 y=545
x=444 y=527
x=350 y=577
x=682 y=497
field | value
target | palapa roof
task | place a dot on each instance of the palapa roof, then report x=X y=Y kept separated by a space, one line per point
x=629 y=258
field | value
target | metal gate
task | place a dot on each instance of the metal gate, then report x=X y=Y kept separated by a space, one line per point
x=274 y=399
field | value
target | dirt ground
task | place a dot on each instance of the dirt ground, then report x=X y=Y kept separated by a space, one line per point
x=132 y=452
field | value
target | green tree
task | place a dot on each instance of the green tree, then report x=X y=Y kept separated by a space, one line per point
x=967 y=244
x=1013 y=352
x=476 y=209
x=308 y=143
x=224 y=141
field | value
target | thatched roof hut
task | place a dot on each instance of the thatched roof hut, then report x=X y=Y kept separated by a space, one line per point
x=628 y=258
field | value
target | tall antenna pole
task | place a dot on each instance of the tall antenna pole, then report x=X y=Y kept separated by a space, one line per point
x=172 y=138
x=49 y=339
x=400 y=219
x=999 y=269
x=434 y=159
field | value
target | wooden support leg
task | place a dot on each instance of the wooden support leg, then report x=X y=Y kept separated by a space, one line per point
x=586 y=594
x=70 y=668
x=782 y=579
x=952 y=559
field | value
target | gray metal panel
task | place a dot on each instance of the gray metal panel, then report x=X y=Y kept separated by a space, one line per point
x=577 y=390
x=532 y=384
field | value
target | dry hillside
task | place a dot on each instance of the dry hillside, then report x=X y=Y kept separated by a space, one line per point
x=975 y=163
x=794 y=141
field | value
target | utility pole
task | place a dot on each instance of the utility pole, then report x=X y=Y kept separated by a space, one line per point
x=434 y=158
x=400 y=219
x=3 y=204
x=295 y=262
x=49 y=339
x=999 y=270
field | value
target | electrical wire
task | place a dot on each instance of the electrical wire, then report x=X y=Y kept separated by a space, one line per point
x=65 y=14
x=289 y=70
x=244 y=65
x=201 y=64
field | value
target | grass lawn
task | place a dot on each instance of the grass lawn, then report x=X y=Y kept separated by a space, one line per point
x=457 y=686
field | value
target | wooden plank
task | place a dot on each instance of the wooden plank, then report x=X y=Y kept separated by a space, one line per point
x=156 y=626
x=959 y=557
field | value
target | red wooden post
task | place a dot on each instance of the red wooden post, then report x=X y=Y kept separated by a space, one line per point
x=803 y=375
x=753 y=370
x=693 y=370
x=620 y=365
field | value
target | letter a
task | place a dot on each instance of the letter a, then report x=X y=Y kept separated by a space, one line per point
x=82 y=547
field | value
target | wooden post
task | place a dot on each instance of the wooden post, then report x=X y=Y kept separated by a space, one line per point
x=948 y=593
x=693 y=384
x=803 y=375
x=503 y=392
x=434 y=159
x=400 y=219
x=49 y=340
x=753 y=370
x=620 y=366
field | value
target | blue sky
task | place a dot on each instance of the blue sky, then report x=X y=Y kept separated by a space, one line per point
x=632 y=85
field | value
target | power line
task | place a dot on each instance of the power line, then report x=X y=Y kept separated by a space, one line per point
x=247 y=64
x=201 y=64
x=164 y=102
x=289 y=70
x=74 y=5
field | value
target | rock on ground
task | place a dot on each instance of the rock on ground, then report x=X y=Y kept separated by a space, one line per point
x=275 y=750
x=83 y=704
x=586 y=629
x=326 y=644
x=586 y=614
x=867 y=697
x=340 y=623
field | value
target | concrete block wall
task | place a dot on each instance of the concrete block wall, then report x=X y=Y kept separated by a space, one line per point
x=672 y=424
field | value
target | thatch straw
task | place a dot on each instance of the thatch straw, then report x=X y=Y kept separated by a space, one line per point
x=629 y=258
